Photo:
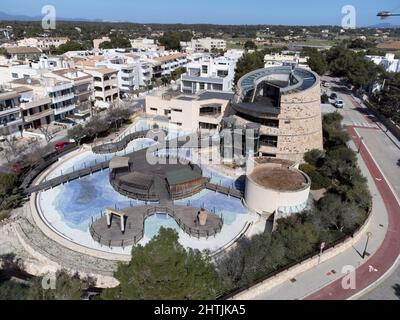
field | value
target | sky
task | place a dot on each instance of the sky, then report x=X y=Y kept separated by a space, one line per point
x=286 y=12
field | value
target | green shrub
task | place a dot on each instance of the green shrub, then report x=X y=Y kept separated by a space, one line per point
x=318 y=181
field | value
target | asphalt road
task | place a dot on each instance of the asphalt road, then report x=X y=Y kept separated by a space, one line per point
x=385 y=150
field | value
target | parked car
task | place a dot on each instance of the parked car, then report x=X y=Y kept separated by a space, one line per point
x=61 y=145
x=326 y=84
x=339 y=104
x=333 y=96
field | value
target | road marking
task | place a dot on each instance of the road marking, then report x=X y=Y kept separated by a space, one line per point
x=372 y=269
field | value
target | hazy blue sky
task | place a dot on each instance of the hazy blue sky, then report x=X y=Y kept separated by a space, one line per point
x=299 y=12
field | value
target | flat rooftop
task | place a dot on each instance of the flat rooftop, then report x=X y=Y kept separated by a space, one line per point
x=278 y=178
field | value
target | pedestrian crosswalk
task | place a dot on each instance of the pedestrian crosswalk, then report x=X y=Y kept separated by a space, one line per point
x=365 y=125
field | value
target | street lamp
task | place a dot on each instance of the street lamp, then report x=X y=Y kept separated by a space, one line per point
x=360 y=144
x=369 y=234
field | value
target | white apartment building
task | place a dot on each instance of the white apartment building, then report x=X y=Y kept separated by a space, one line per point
x=388 y=62
x=214 y=74
x=62 y=96
x=40 y=66
x=144 y=44
x=166 y=62
x=208 y=44
x=105 y=83
x=129 y=74
x=278 y=59
x=36 y=110
x=82 y=87
x=43 y=43
x=234 y=54
x=189 y=112
x=10 y=114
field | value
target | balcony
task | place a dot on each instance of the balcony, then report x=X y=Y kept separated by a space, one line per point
x=65 y=109
x=9 y=110
x=64 y=97
x=39 y=115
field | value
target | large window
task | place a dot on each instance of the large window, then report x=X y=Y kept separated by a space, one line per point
x=204 y=69
x=211 y=110
x=209 y=126
x=269 y=141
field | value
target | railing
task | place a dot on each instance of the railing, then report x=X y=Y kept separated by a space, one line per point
x=191 y=231
x=43 y=164
x=119 y=145
x=66 y=177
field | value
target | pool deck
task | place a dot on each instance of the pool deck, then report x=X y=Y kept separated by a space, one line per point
x=185 y=217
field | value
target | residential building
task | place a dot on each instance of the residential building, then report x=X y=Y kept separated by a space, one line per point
x=204 y=110
x=208 y=44
x=62 y=96
x=82 y=87
x=278 y=59
x=39 y=66
x=144 y=44
x=23 y=53
x=129 y=74
x=10 y=114
x=214 y=74
x=388 y=62
x=36 y=110
x=234 y=54
x=98 y=42
x=43 y=43
x=105 y=83
x=166 y=62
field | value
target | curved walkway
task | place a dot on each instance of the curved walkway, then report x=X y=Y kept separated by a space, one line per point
x=184 y=216
x=385 y=257
x=120 y=145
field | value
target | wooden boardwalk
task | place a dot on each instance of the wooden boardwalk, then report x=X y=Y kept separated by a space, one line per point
x=120 y=145
x=51 y=183
x=185 y=217
x=232 y=192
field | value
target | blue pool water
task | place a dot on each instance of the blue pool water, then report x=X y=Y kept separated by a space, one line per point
x=78 y=202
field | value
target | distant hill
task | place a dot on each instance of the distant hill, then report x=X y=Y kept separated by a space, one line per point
x=11 y=17
x=386 y=25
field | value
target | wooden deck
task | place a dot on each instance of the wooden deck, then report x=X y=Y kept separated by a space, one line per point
x=185 y=217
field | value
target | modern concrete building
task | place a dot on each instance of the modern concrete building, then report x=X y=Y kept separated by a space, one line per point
x=286 y=188
x=10 y=114
x=283 y=105
x=208 y=73
x=189 y=112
